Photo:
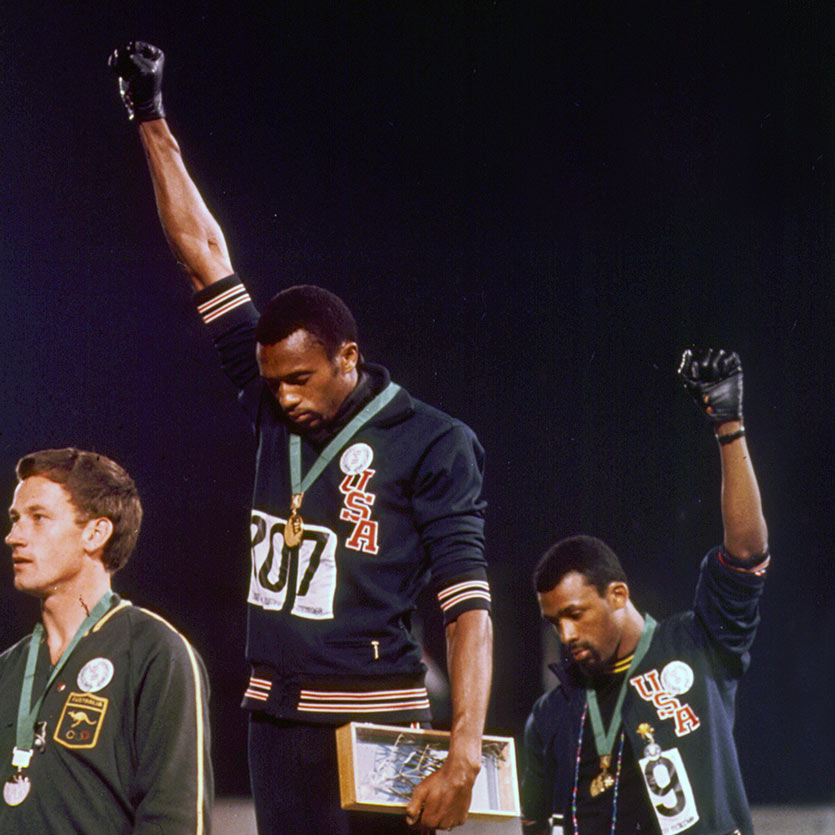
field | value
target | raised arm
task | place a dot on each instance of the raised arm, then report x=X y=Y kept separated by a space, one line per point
x=714 y=378
x=193 y=234
x=746 y=534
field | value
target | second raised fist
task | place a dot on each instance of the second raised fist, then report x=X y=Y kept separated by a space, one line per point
x=714 y=379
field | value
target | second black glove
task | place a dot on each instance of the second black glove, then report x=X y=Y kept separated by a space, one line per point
x=714 y=379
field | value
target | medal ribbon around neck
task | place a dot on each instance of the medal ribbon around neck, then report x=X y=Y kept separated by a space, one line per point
x=300 y=485
x=604 y=740
x=26 y=712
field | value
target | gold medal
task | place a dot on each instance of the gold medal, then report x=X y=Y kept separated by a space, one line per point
x=604 y=780
x=294 y=527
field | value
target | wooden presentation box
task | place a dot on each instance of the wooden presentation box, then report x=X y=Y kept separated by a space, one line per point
x=380 y=765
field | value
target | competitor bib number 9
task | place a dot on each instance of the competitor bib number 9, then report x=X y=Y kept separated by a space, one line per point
x=299 y=579
x=669 y=791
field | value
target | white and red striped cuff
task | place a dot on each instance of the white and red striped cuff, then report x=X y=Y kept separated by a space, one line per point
x=463 y=592
x=258 y=689
x=221 y=304
x=373 y=701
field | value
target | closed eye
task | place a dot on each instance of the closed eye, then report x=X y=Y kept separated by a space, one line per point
x=298 y=379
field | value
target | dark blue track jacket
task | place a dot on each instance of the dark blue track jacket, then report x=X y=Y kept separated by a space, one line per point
x=684 y=688
x=398 y=507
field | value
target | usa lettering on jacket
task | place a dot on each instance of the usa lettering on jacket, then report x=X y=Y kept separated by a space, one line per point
x=357 y=510
x=649 y=687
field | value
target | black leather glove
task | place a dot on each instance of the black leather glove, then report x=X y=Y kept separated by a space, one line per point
x=714 y=379
x=139 y=67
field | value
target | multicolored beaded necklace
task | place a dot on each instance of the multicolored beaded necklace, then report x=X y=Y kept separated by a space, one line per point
x=577 y=778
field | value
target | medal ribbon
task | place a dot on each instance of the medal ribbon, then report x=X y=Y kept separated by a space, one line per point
x=604 y=740
x=300 y=485
x=26 y=715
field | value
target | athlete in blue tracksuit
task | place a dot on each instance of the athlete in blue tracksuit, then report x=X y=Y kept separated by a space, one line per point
x=670 y=764
x=329 y=637
x=340 y=553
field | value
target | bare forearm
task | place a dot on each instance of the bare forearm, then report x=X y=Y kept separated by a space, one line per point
x=193 y=234
x=746 y=533
x=470 y=662
x=442 y=799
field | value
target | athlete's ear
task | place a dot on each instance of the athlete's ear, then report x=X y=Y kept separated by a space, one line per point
x=347 y=357
x=96 y=534
x=617 y=593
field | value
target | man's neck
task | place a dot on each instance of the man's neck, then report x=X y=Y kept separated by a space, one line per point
x=351 y=403
x=619 y=663
x=632 y=629
x=63 y=612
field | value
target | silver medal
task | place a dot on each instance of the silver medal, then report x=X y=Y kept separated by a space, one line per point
x=16 y=789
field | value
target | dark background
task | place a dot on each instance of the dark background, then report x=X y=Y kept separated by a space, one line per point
x=532 y=209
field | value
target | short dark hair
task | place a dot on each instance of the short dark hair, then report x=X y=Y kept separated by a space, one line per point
x=306 y=307
x=587 y=555
x=98 y=487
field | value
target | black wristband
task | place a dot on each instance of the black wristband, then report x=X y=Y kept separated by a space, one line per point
x=731 y=436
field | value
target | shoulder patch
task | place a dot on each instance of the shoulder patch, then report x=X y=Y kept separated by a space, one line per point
x=677 y=677
x=356 y=458
x=95 y=675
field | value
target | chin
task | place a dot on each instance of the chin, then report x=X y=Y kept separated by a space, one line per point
x=308 y=422
x=591 y=666
x=28 y=588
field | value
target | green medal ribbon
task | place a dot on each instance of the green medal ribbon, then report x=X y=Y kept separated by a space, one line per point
x=605 y=740
x=300 y=485
x=26 y=711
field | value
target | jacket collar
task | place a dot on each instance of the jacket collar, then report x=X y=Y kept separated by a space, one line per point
x=372 y=380
x=567 y=671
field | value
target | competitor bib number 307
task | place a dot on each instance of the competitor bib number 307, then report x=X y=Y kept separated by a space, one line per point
x=669 y=791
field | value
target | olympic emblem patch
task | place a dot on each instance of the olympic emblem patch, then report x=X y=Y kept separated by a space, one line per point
x=81 y=721
x=95 y=675
x=677 y=677
x=356 y=458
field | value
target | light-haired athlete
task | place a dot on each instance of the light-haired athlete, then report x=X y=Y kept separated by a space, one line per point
x=104 y=724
